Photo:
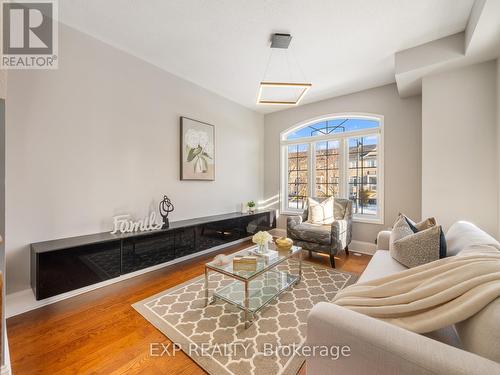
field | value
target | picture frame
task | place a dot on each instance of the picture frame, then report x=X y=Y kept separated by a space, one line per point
x=197 y=150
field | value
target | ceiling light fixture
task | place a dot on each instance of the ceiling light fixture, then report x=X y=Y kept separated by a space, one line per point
x=277 y=92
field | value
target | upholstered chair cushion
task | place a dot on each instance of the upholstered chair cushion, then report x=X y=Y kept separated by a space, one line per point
x=316 y=233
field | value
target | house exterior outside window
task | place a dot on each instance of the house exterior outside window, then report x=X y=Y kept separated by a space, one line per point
x=338 y=155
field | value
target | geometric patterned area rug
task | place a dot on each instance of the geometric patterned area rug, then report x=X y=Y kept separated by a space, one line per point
x=215 y=337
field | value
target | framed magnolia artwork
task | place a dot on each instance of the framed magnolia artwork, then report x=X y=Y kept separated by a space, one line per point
x=197 y=150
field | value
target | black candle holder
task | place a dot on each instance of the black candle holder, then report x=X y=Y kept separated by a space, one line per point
x=165 y=208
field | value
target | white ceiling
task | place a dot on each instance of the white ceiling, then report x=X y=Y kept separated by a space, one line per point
x=342 y=46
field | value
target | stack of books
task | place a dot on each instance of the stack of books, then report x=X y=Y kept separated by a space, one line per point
x=269 y=256
x=245 y=263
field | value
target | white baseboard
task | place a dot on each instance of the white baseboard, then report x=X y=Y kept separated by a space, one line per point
x=5 y=368
x=363 y=247
x=24 y=300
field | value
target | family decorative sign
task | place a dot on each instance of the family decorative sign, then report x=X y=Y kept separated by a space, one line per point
x=123 y=224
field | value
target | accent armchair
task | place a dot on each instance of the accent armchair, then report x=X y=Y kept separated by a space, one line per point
x=327 y=239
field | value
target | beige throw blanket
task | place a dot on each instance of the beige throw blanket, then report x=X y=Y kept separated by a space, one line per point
x=431 y=296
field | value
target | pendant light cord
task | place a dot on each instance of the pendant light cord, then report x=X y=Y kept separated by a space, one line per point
x=287 y=57
x=268 y=62
x=300 y=68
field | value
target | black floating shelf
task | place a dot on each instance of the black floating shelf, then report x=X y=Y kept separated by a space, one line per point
x=63 y=265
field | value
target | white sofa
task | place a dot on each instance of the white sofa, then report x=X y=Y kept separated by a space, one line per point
x=377 y=347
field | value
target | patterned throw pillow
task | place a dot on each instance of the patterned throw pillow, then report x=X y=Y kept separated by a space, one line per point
x=400 y=229
x=320 y=213
x=426 y=224
x=417 y=248
x=414 y=248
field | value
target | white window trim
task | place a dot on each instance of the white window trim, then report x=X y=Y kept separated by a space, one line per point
x=311 y=141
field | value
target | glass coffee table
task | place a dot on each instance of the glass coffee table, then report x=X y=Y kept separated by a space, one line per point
x=252 y=290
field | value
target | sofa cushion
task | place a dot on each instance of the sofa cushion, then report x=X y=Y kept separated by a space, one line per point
x=380 y=265
x=463 y=234
x=480 y=334
x=308 y=232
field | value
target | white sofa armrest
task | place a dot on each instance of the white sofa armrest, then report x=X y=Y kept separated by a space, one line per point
x=377 y=347
x=383 y=240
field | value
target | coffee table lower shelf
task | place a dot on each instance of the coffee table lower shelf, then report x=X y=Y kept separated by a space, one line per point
x=261 y=291
x=251 y=290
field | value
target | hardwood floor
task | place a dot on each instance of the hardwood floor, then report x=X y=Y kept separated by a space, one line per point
x=100 y=333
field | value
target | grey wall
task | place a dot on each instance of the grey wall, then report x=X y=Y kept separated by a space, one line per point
x=459 y=146
x=402 y=122
x=100 y=137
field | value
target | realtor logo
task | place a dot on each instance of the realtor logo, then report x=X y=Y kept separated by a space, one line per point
x=29 y=34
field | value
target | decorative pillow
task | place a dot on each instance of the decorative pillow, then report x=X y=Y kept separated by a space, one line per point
x=417 y=248
x=320 y=212
x=400 y=229
x=426 y=224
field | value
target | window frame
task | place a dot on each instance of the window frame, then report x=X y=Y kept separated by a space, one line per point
x=286 y=172
x=344 y=161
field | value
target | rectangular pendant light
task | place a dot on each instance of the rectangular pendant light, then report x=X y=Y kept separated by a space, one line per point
x=282 y=93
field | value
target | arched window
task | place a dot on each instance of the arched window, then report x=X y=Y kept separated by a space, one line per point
x=337 y=155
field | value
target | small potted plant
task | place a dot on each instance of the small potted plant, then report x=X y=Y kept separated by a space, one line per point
x=251 y=207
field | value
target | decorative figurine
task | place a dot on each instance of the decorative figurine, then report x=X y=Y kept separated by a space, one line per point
x=284 y=244
x=165 y=208
x=221 y=260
